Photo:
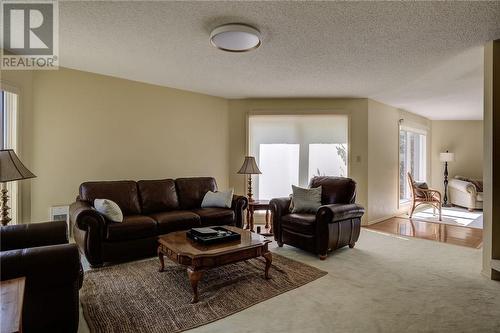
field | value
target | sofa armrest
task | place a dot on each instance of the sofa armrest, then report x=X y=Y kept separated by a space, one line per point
x=85 y=217
x=43 y=266
x=22 y=236
x=279 y=207
x=339 y=212
x=238 y=205
x=461 y=185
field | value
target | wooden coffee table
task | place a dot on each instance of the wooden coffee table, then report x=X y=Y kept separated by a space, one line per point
x=198 y=258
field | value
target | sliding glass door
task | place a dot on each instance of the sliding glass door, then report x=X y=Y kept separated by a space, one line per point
x=290 y=150
x=412 y=159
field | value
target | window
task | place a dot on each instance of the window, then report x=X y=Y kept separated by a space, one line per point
x=412 y=159
x=327 y=159
x=8 y=139
x=290 y=150
x=279 y=164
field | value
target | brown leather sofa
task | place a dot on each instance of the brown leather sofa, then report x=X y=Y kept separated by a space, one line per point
x=150 y=208
x=336 y=224
x=41 y=253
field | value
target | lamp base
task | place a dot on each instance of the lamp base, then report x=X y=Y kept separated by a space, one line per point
x=4 y=214
x=249 y=194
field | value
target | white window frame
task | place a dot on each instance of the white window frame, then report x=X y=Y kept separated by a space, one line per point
x=12 y=141
x=292 y=112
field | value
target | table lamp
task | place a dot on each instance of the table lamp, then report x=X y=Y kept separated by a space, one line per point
x=11 y=169
x=446 y=157
x=249 y=168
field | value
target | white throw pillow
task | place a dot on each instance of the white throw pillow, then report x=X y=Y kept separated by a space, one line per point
x=305 y=200
x=222 y=199
x=109 y=209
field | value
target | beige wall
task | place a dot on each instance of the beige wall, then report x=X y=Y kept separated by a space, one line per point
x=356 y=109
x=383 y=158
x=109 y=128
x=22 y=83
x=465 y=139
x=93 y=127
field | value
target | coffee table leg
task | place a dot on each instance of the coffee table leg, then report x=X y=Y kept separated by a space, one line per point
x=194 y=278
x=269 y=259
x=162 y=261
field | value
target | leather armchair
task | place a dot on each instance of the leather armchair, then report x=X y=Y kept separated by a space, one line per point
x=336 y=224
x=41 y=253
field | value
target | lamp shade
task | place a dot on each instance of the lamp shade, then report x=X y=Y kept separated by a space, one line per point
x=249 y=167
x=11 y=168
x=447 y=157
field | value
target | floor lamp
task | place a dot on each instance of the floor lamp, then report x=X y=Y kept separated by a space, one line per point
x=11 y=169
x=446 y=157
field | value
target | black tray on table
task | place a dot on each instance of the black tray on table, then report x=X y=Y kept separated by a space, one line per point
x=220 y=235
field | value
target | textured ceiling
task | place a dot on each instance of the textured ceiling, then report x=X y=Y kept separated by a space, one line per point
x=425 y=57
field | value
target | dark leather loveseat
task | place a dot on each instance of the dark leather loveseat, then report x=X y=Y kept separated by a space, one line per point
x=40 y=252
x=150 y=208
x=336 y=224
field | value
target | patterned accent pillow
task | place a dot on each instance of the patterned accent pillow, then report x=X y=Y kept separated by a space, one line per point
x=477 y=183
x=420 y=185
x=305 y=200
x=109 y=209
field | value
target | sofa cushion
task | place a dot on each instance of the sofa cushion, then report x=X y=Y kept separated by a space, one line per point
x=302 y=223
x=157 y=195
x=132 y=227
x=215 y=216
x=192 y=190
x=123 y=192
x=176 y=220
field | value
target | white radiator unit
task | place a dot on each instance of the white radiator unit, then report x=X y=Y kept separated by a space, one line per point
x=60 y=213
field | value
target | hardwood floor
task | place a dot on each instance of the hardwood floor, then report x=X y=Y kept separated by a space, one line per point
x=440 y=232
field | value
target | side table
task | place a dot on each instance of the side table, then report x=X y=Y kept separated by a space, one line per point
x=258 y=205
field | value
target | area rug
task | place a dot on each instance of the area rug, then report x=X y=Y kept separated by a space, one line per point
x=452 y=216
x=135 y=297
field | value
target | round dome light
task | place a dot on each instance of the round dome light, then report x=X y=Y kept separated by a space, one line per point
x=235 y=37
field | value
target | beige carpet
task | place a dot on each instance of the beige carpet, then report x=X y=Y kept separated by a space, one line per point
x=135 y=297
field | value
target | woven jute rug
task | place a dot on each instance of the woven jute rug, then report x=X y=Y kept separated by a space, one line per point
x=135 y=297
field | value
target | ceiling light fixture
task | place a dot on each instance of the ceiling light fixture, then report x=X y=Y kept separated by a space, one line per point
x=235 y=37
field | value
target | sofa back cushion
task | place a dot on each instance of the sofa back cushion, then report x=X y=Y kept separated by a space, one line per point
x=123 y=192
x=335 y=190
x=157 y=195
x=192 y=190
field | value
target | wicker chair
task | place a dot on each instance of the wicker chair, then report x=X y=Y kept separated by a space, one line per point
x=421 y=196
